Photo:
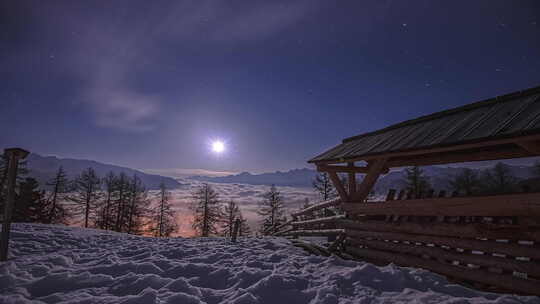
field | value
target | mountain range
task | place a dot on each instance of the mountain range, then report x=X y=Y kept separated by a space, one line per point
x=438 y=176
x=44 y=168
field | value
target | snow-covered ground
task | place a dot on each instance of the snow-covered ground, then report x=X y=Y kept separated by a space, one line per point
x=53 y=264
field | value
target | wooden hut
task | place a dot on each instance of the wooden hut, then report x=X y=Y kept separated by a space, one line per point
x=460 y=237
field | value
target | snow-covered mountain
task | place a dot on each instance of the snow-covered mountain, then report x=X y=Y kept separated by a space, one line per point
x=43 y=168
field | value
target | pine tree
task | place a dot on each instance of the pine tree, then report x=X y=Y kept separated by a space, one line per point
x=417 y=183
x=499 y=180
x=30 y=203
x=271 y=210
x=324 y=187
x=466 y=182
x=60 y=188
x=207 y=212
x=86 y=193
x=231 y=214
x=163 y=216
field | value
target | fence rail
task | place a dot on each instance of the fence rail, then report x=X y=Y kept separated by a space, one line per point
x=491 y=242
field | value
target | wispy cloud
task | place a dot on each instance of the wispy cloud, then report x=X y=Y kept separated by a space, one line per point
x=182 y=173
x=110 y=52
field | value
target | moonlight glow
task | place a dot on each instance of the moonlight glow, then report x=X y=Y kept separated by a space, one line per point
x=218 y=146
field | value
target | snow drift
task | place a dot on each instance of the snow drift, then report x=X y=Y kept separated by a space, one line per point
x=53 y=264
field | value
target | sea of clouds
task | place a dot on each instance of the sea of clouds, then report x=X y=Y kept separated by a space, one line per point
x=248 y=197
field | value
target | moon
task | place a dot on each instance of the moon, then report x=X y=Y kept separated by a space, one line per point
x=218 y=147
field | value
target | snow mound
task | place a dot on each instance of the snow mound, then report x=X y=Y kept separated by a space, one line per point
x=54 y=264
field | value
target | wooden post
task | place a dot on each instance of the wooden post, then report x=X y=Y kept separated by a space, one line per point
x=13 y=154
x=352 y=181
x=339 y=186
x=375 y=168
x=236 y=228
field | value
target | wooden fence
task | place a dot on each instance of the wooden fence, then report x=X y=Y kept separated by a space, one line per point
x=489 y=242
x=315 y=220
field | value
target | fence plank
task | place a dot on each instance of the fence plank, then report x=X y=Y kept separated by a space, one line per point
x=473 y=230
x=523 y=204
x=322 y=232
x=511 y=249
x=325 y=204
x=321 y=220
x=494 y=279
x=530 y=268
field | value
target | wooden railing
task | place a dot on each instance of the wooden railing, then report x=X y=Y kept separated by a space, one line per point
x=491 y=242
x=302 y=223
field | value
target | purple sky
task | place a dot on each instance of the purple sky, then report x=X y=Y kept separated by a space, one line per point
x=148 y=84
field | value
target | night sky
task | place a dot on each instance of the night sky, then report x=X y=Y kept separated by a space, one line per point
x=149 y=84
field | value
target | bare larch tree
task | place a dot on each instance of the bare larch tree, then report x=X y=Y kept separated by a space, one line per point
x=86 y=193
x=271 y=210
x=207 y=212
x=163 y=217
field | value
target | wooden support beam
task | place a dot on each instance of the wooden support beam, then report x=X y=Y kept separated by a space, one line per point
x=376 y=167
x=522 y=204
x=342 y=169
x=493 y=153
x=339 y=186
x=352 y=181
x=346 y=169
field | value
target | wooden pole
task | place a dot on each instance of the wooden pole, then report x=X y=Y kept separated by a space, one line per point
x=352 y=181
x=339 y=186
x=13 y=154
x=375 y=169
x=235 y=230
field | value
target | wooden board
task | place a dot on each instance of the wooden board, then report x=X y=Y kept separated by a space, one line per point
x=500 y=280
x=323 y=232
x=319 y=206
x=490 y=246
x=531 y=268
x=522 y=204
x=321 y=220
x=476 y=230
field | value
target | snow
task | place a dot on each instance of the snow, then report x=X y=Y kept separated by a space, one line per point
x=56 y=264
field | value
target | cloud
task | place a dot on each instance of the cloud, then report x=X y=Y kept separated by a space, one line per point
x=248 y=197
x=181 y=172
x=123 y=108
x=113 y=51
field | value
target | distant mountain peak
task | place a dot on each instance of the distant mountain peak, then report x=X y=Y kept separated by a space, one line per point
x=43 y=168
